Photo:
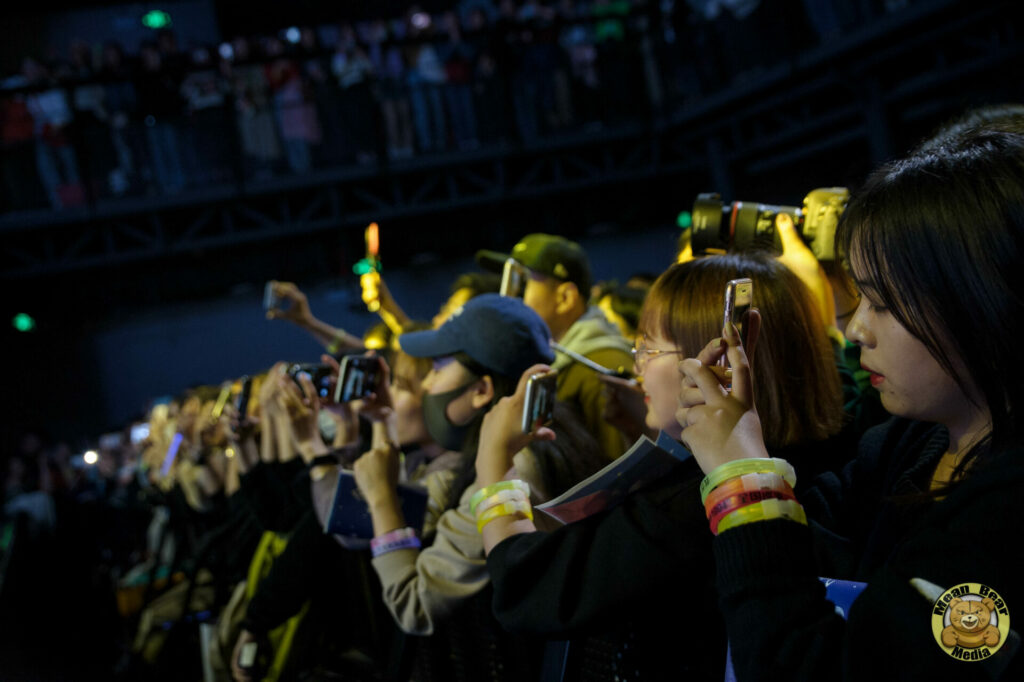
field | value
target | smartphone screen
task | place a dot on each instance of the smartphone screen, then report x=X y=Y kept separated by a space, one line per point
x=539 y=404
x=270 y=299
x=739 y=297
x=139 y=432
x=242 y=404
x=358 y=378
x=247 y=656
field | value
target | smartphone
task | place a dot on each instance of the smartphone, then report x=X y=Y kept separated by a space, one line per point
x=359 y=377
x=247 y=656
x=539 y=405
x=271 y=301
x=139 y=432
x=242 y=403
x=322 y=377
x=739 y=297
x=513 y=278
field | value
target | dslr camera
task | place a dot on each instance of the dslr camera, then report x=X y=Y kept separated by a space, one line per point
x=747 y=225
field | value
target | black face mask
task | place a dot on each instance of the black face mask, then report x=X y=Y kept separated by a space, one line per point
x=448 y=435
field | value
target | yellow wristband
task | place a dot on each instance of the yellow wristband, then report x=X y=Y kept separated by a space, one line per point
x=504 y=509
x=512 y=495
x=739 y=467
x=765 y=510
x=489 y=490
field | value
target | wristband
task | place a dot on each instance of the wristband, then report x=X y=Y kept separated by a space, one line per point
x=744 y=483
x=489 y=490
x=402 y=538
x=765 y=510
x=740 y=500
x=513 y=495
x=504 y=509
x=738 y=467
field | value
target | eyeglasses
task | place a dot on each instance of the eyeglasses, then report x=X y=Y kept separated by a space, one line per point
x=642 y=354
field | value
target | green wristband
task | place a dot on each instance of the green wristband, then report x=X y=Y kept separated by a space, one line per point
x=739 y=467
x=489 y=490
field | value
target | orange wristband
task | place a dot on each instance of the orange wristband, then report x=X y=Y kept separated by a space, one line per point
x=743 y=499
x=745 y=483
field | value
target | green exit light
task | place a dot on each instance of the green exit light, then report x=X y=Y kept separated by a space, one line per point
x=156 y=19
x=684 y=220
x=23 y=322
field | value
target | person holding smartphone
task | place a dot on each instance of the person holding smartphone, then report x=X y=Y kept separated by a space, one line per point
x=650 y=556
x=478 y=355
x=934 y=242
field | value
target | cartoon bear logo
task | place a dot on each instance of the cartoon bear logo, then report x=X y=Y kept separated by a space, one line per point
x=970 y=625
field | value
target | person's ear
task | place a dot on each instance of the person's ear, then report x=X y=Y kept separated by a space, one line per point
x=483 y=393
x=567 y=297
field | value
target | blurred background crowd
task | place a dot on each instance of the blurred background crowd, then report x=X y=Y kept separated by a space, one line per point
x=97 y=120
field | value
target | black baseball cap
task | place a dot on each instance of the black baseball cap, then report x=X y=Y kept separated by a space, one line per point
x=497 y=332
x=547 y=254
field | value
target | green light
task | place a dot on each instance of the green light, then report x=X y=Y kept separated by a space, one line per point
x=23 y=322
x=363 y=267
x=684 y=220
x=156 y=19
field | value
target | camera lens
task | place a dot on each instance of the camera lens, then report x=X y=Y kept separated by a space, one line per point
x=707 y=230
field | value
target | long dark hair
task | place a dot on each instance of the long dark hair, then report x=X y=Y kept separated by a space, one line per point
x=939 y=237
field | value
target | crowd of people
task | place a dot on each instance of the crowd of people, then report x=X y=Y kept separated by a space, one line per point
x=106 y=120
x=861 y=427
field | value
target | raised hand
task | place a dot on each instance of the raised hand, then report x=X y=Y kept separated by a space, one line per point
x=501 y=434
x=717 y=412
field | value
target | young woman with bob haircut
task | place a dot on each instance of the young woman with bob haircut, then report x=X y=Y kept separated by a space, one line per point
x=650 y=556
x=925 y=513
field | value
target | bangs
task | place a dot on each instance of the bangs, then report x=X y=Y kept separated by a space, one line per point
x=684 y=305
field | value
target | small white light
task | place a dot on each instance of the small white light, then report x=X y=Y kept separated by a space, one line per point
x=293 y=35
x=420 y=20
x=229 y=453
x=226 y=51
x=90 y=457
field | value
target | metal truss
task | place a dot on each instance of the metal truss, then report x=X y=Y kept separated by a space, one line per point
x=850 y=92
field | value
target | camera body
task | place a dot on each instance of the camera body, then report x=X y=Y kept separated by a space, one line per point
x=322 y=377
x=747 y=225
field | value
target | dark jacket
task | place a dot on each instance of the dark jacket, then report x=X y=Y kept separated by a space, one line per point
x=646 y=561
x=873 y=522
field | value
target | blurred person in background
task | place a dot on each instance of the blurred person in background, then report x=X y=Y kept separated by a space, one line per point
x=558 y=289
x=161 y=107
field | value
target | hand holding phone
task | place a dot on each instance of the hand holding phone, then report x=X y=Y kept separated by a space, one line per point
x=321 y=375
x=360 y=375
x=284 y=300
x=539 y=402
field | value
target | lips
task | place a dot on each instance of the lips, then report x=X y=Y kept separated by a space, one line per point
x=875 y=378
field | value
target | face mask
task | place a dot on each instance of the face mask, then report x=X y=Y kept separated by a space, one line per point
x=448 y=435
